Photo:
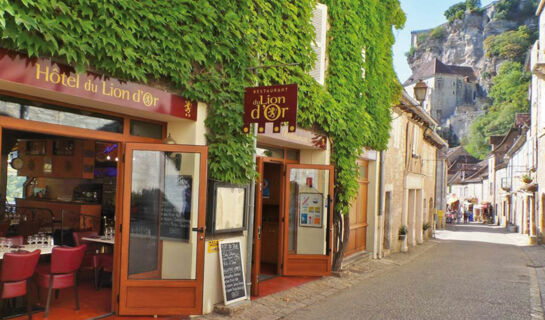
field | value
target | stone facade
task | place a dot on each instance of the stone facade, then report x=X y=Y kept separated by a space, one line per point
x=410 y=180
x=453 y=97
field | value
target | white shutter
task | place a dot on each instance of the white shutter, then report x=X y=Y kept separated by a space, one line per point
x=319 y=20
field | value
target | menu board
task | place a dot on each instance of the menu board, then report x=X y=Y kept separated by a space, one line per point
x=176 y=208
x=311 y=209
x=232 y=272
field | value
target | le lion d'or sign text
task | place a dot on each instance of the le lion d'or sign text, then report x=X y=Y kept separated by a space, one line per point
x=42 y=73
x=272 y=104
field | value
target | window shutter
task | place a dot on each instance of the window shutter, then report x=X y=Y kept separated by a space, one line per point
x=319 y=20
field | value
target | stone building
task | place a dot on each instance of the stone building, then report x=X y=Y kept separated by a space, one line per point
x=453 y=95
x=537 y=128
x=410 y=179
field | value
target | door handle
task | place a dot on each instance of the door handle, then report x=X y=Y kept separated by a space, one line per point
x=201 y=229
x=259 y=233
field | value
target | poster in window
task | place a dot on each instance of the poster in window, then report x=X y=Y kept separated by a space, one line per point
x=311 y=209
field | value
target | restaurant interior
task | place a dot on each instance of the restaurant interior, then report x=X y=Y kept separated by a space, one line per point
x=58 y=192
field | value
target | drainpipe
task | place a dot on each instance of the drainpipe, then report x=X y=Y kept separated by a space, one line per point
x=251 y=212
x=380 y=204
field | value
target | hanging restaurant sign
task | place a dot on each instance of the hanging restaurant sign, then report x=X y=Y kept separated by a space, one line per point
x=272 y=104
x=45 y=74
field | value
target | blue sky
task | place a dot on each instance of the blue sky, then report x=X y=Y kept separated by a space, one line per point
x=421 y=14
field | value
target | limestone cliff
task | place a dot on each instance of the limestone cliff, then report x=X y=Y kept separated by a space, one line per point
x=461 y=42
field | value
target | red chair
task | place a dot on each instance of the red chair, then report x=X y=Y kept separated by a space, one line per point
x=17 y=269
x=62 y=273
x=91 y=259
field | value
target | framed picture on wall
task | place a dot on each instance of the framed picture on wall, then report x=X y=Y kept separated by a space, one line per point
x=227 y=207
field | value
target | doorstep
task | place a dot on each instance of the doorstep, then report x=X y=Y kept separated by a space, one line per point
x=356 y=258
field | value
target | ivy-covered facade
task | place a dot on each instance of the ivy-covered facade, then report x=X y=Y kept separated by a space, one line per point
x=210 y=51
x=203 y=50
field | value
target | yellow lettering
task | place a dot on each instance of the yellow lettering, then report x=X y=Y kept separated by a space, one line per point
x=45 y=73
x=136 y=96
x=77 y=81
x=54 y=76
x=104 y=89
x=155 y=101
x=71 y=81
x=63 y=80
x=284 y=112
x=255 y=113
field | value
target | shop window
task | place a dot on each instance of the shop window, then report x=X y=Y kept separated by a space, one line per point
x=146 y=129
x=269 y=152
x=292 y=154
x=42 y=112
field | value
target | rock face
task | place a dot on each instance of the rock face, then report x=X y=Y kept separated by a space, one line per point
x=461 y=42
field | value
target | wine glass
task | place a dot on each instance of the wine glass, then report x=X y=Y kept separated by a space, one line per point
x=44 y=241
x=9 y=243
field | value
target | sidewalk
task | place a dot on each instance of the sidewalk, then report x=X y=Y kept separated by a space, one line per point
x=536 y=256
x=279 y=305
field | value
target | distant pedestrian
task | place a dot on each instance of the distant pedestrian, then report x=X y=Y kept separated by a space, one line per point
x=466 y=216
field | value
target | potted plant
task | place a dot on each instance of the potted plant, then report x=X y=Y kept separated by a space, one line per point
x=402 y=232
x=526 y=178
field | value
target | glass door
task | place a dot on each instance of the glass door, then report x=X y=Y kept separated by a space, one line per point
x=162 y=230
x=308 y=220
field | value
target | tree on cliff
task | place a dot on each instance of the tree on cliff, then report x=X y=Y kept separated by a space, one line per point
x=509 y=96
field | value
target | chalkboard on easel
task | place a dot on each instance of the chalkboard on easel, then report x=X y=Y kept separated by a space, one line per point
x=232 y=272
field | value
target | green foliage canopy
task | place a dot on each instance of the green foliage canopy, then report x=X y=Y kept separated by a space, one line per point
x=458 y=11
x=511 y=45
x=202 y=50
x=509 y=95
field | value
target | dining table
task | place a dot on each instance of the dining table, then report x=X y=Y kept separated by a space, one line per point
x=28 y=248
x=103 y=240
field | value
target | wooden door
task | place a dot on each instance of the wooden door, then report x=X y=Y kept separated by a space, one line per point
x=258 y=227
x=358 y=213
x=307 y=220
x=162 y=239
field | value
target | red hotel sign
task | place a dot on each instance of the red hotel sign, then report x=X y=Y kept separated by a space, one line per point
x=45 y=74
x=276 y=104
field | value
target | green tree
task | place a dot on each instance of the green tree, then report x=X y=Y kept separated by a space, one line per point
x=511 y=45
x=509 y=94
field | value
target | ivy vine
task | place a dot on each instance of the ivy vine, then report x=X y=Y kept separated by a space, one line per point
x=202 y=50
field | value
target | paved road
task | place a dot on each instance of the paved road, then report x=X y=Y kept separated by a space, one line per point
x=474 y=272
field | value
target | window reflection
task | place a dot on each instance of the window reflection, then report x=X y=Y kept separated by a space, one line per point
x=42 y=112
x=163 y=211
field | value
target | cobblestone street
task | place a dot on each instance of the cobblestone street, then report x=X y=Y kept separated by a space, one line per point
x=469 y=272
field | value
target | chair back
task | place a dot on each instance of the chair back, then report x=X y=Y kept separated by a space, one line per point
x=16 y=240
x=67 y=259
x=19 y=266
x=80 y=234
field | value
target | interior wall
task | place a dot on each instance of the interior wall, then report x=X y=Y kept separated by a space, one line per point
x=270 y=228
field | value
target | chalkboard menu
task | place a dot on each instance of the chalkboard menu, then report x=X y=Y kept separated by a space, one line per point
x=176 y=208
x=232 y=272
